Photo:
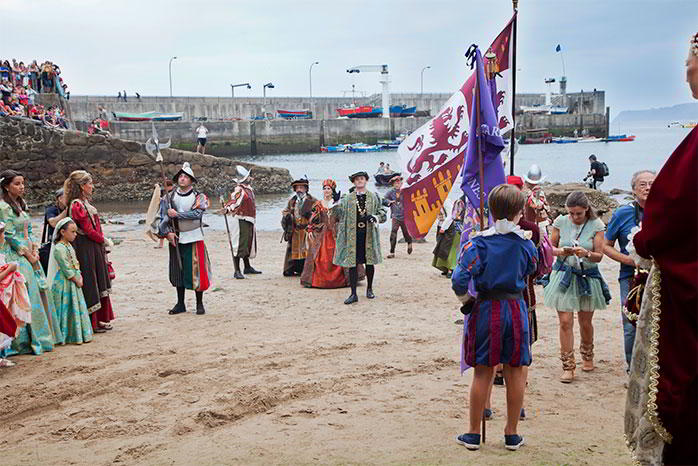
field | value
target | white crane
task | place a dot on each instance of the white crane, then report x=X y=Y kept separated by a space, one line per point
x=384 y=80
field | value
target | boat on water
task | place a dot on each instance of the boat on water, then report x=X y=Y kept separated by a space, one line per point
x=361 y=147
x=148 y=116
x=565 y=140
x=391 y=144
x=383 y=179
x=620 y=138
x=337 y=148
x=295 y=114
x=590 y=139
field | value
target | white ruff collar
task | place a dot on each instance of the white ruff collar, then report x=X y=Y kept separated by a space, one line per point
x=503 y=227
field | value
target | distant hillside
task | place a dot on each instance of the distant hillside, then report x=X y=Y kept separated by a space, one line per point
x=681 y=112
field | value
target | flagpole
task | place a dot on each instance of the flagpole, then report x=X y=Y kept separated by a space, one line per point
x=512 y=142
x=481 y=170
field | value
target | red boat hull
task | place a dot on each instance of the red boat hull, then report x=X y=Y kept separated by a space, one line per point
x=345 y=112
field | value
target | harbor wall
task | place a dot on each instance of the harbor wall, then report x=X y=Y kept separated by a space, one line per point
x=245 y=137
x=84 y=108
x=230 y=138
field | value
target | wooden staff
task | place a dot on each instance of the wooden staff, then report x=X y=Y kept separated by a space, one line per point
x=170 y=220
x=227 y=227
x=512 y=141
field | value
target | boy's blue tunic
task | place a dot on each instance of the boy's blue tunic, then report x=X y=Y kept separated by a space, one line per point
x=497 y=329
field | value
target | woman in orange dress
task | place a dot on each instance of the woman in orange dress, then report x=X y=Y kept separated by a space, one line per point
x=319 y=271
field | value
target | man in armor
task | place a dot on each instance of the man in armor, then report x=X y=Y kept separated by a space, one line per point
x=181 y=212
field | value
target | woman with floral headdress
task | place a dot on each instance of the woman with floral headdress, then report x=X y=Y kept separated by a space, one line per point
x=90 y=249
x=661 y=411
x=21 y=247
x=319 y=271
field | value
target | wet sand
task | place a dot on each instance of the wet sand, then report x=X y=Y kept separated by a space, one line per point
x=276 y=373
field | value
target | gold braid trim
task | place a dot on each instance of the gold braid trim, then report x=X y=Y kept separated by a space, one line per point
x=633 y=456
x=653 y=357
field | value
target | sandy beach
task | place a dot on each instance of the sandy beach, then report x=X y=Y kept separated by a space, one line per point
x=276 y=373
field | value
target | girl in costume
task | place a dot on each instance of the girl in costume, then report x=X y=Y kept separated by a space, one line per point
x=576 y=284
x=90 y=249
x=495 y=262
x=448 y=237
x=21 y=247
x=66 y=284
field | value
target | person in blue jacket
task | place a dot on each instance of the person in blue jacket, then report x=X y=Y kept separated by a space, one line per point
x=496 y=263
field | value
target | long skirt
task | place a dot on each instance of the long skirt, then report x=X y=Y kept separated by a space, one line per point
x=44 y=330
x=450 y=262
x=497 y=332
x=95 y=276
x=72 y=310
x=319 y=271
x=195 y=273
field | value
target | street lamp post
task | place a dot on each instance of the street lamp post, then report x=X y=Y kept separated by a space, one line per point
x=264 y=92
x=170 y=66
x=232 y=91
x=421 y=81
x=310 y=83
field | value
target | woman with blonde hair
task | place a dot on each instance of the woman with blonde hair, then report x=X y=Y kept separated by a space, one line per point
x=576 y=284
x=21 y=247
x=89 y=248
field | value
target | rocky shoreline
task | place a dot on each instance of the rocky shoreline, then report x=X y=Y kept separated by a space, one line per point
x=602 y=202
x=121 y=169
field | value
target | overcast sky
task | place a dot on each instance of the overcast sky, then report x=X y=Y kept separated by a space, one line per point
x=633 y=49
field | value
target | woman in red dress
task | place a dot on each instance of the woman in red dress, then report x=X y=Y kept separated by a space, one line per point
x=661 y=415
x=89 y=247
x=319 y=271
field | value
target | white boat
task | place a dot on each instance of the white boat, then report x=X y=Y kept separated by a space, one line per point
x=590 y=139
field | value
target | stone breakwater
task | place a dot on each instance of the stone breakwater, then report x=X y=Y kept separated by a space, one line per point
x=121 y=169
x=556 y=193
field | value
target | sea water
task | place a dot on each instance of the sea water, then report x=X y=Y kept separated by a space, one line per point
x=564 y=163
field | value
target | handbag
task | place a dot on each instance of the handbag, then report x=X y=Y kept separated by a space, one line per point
x=545 y=254
x=634 y=299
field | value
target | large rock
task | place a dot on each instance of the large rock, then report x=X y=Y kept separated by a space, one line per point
x=120 y=168
x=556 y=193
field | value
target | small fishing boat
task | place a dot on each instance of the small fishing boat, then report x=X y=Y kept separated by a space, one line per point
x=147 y=116
x=345 y=112
x=295 y=114
x=383 y=179
x=565 y=140
x=401 y=111
x=591 y=139
x=337 y=148
x=375 y=112
x=620 y=138
x=361 y=147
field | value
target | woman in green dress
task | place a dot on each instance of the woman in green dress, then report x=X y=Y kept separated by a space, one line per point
x=66 y=283
x=576 y=284
x=448 y=237
x=20 y=246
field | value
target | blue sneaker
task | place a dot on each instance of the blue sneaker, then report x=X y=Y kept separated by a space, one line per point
x=513 y=442
x=469 y=441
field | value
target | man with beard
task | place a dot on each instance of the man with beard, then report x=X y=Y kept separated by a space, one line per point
x=294 y=221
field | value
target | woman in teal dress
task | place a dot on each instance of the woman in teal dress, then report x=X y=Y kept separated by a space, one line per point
x=576 y=283
x=44 y=331
x=448 y=237
x=65 y=280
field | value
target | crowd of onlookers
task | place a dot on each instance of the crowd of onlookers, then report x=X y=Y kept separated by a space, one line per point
x=19 y=86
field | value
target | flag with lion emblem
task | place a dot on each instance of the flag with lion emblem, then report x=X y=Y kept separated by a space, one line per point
x=432 y=156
